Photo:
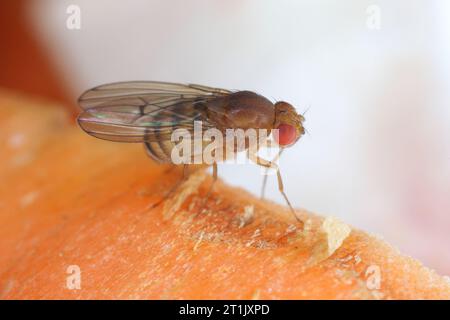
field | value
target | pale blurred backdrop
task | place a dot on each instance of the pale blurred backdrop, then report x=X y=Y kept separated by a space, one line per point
x=374 y=76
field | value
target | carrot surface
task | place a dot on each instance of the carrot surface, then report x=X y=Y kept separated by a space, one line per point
x=77 y=222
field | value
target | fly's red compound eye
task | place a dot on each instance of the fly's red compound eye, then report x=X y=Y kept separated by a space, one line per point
x=286 y=134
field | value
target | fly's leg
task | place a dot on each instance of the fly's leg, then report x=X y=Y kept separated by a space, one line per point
x=214 y=180
x=263 y=188
x=271 y=165
x=175 y=187
x=264 y=183
x=214 y=166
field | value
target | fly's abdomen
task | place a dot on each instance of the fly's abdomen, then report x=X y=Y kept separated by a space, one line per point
x=160 y=151
x=158 y=143
x=163 y=151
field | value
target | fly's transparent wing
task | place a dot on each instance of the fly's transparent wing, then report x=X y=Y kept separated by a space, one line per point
x=143 y=111
x=140 y=123
x=153 y=92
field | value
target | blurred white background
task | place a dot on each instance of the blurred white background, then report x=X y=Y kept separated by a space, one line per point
x=378 y=153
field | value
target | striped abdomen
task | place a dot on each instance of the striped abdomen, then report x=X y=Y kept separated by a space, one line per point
x=160 y=151
x=159 y=146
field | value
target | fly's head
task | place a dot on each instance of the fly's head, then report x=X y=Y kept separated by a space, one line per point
x=289 y=124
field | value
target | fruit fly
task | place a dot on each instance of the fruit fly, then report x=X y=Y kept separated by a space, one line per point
x=149 y=112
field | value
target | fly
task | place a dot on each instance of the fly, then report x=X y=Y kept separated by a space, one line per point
x=149 y=112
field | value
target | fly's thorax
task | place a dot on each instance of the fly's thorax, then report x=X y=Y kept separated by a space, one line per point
x=242 y=109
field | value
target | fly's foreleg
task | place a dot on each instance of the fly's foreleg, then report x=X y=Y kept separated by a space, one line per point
x=271 y=165
x=274 y=160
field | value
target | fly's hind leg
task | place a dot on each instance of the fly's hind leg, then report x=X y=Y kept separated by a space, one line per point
x=175 y=187
x=210 y=189
x=271 y=165
x=214 y=180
